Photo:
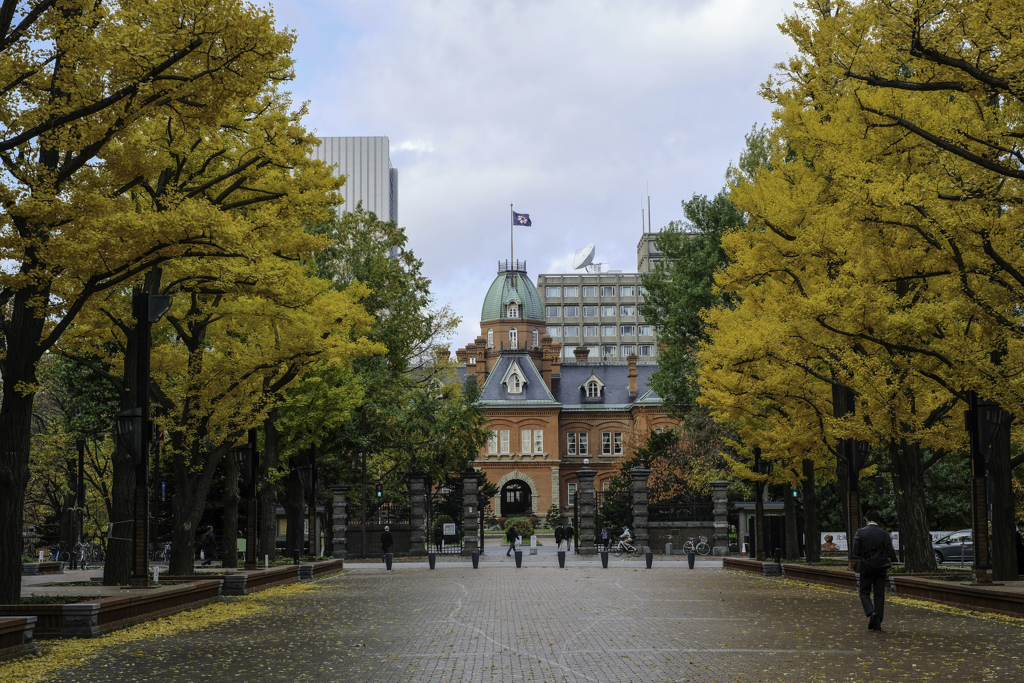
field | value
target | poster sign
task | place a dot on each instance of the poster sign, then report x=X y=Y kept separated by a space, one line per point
x=449 y=528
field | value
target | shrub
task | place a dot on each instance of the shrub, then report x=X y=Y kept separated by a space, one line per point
x=554 y=517
x=522 y=525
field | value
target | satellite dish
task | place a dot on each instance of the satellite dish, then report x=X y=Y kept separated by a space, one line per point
x=583 y=257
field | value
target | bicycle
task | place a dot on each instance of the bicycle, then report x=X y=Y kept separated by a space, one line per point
x=84 y=551
x=162 y=553
x=702 y=547
x=626 y=547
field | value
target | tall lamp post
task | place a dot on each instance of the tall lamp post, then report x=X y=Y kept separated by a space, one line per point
x=761 y=467
x=135 y=430
x=983 y=420
x=247 y=460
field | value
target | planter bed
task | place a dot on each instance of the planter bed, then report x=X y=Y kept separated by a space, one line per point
x=327 y=567
x=753 y=566
x=1010 y=603
x=838 y=576
x=34 y=568
x=16 y=637
x=93 y=618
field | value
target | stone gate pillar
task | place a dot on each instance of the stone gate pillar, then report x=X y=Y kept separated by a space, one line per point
x=639 y=477
x=720 y=544
x=340 y=527
x=418 y=514
x=470 y=512
x=586 y=502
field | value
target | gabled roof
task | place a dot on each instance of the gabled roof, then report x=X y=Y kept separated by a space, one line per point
x=535 y=391
x=587 y=381
x=614 y=375
x=514 y=367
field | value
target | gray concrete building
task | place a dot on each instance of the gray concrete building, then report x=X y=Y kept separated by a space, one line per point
x=370 y=177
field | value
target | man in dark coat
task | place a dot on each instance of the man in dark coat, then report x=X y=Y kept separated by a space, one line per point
x=209 y=546
x=559 y=537
x=569 y=535
x=512 y=535
x=873 y=547
x=386 y=542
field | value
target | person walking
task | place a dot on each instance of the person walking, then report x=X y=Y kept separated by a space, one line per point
x=386 y=542
x=606 y=537
x=873 y=547
x=570 y=535
x=512 y=535
x=209 y=546
x=559 y=537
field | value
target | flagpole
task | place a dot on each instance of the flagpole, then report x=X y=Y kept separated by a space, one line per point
x=511 y=232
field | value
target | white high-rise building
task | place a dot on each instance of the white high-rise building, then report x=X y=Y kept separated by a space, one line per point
x=366 y=164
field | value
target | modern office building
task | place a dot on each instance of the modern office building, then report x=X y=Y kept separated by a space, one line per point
x=370 y=178
x=601 y=311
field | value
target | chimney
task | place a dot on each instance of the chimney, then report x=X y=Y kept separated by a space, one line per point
x=463 y=355
x=481 y=360
x=545 y=358
x=631 y=359
x=581 y=353
x=442 y=354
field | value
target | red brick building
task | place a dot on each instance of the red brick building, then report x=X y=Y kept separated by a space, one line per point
x=548 y=415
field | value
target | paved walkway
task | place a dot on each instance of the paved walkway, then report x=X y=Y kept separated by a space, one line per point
x=579 y=624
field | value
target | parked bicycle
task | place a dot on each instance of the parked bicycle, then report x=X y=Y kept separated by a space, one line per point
x=627 y=547
x=58 y=554
x=84 y=553
x=701 y=548
x=162 y=553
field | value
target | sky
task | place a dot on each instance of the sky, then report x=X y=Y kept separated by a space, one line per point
x=573 y=111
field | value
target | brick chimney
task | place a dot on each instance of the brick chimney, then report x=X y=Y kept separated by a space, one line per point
x=481 y=360
x=463 y=354
x=581 y=353
x=631 y=359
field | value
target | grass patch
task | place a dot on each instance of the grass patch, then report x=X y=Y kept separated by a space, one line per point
x=57 y=599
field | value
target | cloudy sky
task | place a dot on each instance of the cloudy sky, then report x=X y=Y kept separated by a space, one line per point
x=570 y=110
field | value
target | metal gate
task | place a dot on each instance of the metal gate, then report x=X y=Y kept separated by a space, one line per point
x=444 y=514
x=613 y=510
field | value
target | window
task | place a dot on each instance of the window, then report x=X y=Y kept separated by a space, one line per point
x=583 y=443
x=555 y=332
x=282 y=526
x=607 y=330
x=513 y=311
x=607 y=311
x=590 y=330
x=646 y=350
x=627 y=310
x=618 y=443
x=527 y=440
x=570 y=292
x=492 y=442
x=513 y=339
x=504 y=441
x=538 y=440
x=609 y=351
x=490 y=339
x=604 y=486
x=590 y=311
x=552 y=311
x=628 y=330
x=515 y=385
x=571 y=330
x=644 y=330
x=536 y=338
x=552 y=292
x=571 y=498
x=643 y=290
x=570 y=443
x=593 y=390
x=627 y=350
x=606 y=443
x=607 y=291
x=626 y=291
x=572 y=311
x=590 y=291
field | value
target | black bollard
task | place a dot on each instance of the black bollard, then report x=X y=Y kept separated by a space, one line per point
x=432 y=559
x=519 y=559
x=476 y=559
x=650 y=559
x=604 y=559
x=690 y=558
x=778 y=556
x=388 y=559
x=295 y=556
x=561 y=559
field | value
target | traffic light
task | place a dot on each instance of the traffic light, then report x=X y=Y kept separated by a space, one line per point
x=380 y=490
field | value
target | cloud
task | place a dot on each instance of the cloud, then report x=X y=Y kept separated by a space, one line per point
x=569 y=110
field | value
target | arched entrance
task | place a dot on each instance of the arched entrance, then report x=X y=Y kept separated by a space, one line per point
x=516 y=498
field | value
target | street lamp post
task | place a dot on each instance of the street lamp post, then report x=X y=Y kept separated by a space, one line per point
x=760 y=467
x=983 y=420
x=135 y=429
x=247 y=459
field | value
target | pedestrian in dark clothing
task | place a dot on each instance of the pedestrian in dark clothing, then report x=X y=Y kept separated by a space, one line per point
x=559 y=537
x=606 y=537
x=1020 y=547
x=512 y=535
x=386 y=542
x=873 y=547
x=209 y=546
x=569 y=536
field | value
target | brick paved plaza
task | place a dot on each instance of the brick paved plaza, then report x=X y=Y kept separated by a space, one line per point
x=580 y=624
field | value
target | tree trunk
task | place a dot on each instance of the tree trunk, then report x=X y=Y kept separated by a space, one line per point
x=910 y=505
x=189 y=502
x=117 y=567
x=329 y=525
x=812 y=529
x=792 y=551
x=293 y=502
x=1000 y=477
x=268 y=491
x=15 y=425
x=231 y=498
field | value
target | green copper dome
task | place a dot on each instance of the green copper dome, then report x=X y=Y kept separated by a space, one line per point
x=512 y=286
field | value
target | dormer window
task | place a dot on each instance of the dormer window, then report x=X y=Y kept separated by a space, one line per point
x=513 y=311
x=514 y=379
x=593 y=390
x=515 y=385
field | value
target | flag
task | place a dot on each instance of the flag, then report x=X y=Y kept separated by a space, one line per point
x=521 y=219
